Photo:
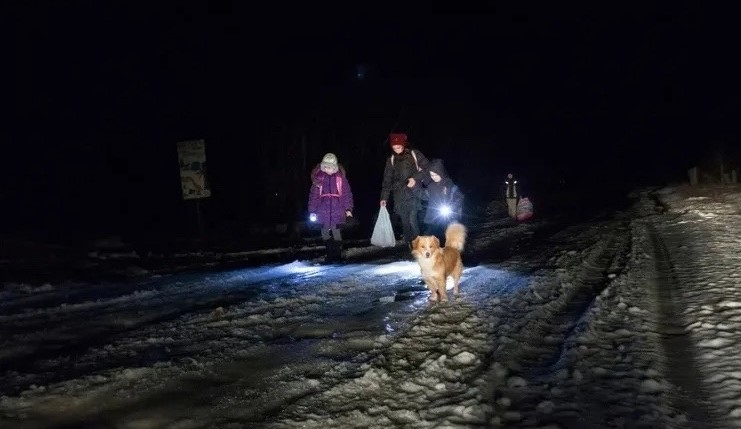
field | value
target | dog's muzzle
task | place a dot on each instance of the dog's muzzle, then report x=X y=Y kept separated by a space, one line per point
x=427 y=254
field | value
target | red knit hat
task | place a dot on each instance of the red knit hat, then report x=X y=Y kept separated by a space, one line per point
x=398 y=138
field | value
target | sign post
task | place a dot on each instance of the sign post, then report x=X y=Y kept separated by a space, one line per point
x=193 y=179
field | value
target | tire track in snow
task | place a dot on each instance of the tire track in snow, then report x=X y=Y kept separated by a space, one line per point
x=539 y=354
x=691 y=396
x=590 y=281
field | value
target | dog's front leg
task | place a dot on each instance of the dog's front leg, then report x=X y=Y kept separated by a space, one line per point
x=430 y=283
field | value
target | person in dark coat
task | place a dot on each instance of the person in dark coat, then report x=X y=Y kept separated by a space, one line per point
x=330 y=203
x=444 y=200
x=404 y=168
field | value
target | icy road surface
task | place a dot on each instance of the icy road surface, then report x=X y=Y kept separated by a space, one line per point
x=597 y=323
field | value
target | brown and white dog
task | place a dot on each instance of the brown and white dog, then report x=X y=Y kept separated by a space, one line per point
x=437 y=263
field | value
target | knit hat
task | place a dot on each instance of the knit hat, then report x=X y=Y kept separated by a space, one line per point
x=398 y=139
x=329 y=162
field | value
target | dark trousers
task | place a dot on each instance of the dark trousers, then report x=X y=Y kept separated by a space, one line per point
x=409 y=224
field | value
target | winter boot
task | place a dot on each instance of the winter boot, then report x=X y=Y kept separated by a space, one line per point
x=338 y=251
x=327 y=251
x=334 y=251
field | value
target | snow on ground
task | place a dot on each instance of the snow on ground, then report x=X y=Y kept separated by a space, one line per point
x=265 y=334
x=490 y=359
x=624 y=321
x=701 y=235
x=587 y=343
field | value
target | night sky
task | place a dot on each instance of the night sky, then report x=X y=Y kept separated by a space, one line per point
x=98 y=95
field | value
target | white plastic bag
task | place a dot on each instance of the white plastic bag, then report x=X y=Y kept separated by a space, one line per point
x=383 y=232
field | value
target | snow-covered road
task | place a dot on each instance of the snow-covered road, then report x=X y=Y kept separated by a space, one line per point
x=132 y=339
x=700 y=238
x=627 y=320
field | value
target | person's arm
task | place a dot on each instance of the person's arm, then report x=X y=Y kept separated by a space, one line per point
x=347 y=197
x=423 y=175
x=421 y=192
x=388 y=176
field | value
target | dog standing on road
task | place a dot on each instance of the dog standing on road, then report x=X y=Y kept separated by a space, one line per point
x=437 y=263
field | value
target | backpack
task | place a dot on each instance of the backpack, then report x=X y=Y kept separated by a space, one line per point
x=414 y=155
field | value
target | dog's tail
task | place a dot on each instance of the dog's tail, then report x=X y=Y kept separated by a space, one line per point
x=455 y=236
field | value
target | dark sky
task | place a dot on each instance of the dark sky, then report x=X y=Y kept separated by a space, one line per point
x=99 y=92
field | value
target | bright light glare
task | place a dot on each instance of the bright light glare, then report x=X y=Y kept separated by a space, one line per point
x=300 y=267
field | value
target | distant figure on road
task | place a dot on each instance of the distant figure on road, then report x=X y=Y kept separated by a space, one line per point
x=511 y=195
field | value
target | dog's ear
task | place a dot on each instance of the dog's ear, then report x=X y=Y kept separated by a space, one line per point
x=414 y=242
x=436 y=241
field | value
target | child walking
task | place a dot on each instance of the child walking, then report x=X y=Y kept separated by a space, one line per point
x=444 y=200
x=330 y=203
